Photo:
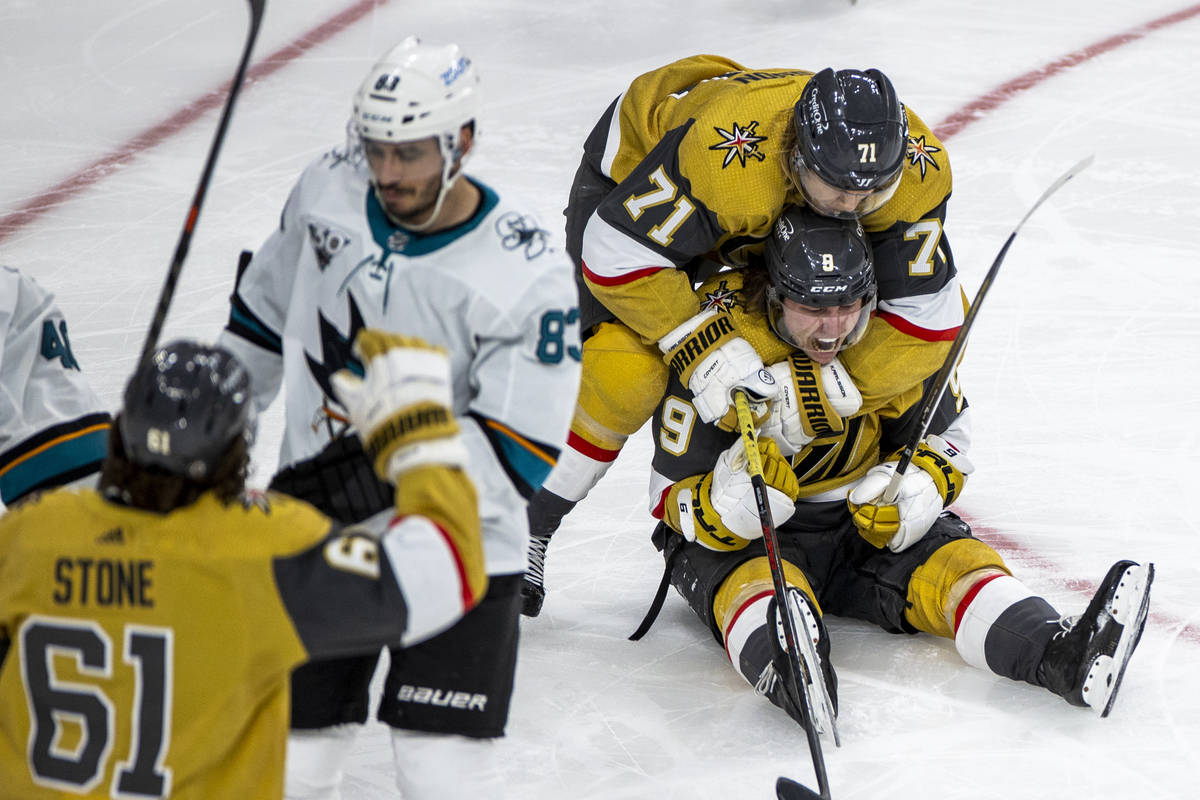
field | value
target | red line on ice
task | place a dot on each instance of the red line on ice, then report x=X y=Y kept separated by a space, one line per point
x=65 y=190
x=70 y=187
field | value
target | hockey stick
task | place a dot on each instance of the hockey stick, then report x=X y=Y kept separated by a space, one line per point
x=785 y=788
x=938 y=388
x=189 y=225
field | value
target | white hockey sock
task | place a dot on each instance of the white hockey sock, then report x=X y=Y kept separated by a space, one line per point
x=1000 y=624
x=750 y=621
x=576 y=473
x=432 y=766
x=314 y=762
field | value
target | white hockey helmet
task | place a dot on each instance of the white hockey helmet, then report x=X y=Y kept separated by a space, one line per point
x=416 y=91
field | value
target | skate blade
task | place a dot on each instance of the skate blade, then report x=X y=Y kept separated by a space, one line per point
x=1129 y=608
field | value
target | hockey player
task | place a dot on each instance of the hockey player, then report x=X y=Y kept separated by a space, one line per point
x=907 y=566
x=52 y=427
x=688 y=169
x=147 y=629
x=388 y=231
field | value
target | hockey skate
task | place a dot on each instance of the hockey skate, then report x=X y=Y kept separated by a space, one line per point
x=533 y=587
x=818 y=677
x=1085 y=661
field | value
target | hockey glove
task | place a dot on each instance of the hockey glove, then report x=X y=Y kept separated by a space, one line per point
x=924 y=492
x=402 y=407
x=813 y=401
x=718 y=510
x=712 y=360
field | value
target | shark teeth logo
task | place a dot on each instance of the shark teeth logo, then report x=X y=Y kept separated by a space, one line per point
x=336 y=350
x=740 y=143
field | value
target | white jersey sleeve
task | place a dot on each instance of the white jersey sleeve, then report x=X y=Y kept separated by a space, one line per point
x=259 y=306
x=53 y=429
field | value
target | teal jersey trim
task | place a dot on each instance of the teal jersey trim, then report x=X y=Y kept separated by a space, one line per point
x=61 y=463
x=400 y=240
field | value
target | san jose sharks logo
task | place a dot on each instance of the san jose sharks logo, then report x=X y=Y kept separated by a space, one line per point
x=336 y=352
x=920 y=154
x=740 y=143
x=722 y=298
x=518 y=231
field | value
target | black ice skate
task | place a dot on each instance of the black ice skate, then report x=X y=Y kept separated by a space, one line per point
x=819 y=678
x=533 y=588
x=1085 y=661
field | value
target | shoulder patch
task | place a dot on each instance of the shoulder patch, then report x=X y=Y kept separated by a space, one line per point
x=921 y=154
x=518 y=231
x=739 y=142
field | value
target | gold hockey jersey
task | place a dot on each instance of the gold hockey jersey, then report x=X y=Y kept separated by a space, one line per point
x=146 y=655
x=697 y=151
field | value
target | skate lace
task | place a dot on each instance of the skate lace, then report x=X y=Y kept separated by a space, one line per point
x=766 y=681
x=1066 y=625
x=536 y=569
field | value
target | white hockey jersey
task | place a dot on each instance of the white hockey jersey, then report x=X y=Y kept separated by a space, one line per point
x=53 y=430
x=492 y=291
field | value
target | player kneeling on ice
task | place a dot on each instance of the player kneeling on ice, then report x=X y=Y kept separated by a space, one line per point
x=148 y=628
x=829 y=445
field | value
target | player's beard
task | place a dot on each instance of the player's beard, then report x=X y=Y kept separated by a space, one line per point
x=409 y=206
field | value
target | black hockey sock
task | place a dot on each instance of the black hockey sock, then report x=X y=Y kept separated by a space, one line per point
x=546 y=512
x=1017 y=639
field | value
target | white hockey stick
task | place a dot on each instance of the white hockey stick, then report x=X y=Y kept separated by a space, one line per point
x=933 y=395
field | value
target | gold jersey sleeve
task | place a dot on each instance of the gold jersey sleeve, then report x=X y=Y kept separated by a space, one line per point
x=700 y=167
x=149 y=654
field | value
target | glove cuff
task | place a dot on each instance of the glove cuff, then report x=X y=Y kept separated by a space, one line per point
x=686 y=347
x=945 y=463
x=425 y=422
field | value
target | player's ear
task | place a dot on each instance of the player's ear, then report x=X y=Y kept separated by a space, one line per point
x=466 y=138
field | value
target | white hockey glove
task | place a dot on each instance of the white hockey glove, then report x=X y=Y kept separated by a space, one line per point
x=924 y=492
x=712 y=360
x=813 y=401
x=718 y=509
x=402 y=407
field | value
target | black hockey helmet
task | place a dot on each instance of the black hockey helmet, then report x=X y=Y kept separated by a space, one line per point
x=184 y=406
x=823 y=266
x=819 y=261
x=851 y=130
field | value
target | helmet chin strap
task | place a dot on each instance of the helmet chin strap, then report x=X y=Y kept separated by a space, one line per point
x=451 y=153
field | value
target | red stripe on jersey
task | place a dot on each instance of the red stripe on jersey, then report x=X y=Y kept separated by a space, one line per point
x=969 y=596
x=581 y=445
x=464 y=586
x=625 y=277
x=657 y=513
x=738 y=614
x=916 y=331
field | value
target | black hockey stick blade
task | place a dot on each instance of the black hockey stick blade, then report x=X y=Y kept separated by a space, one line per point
x=938 y=388
x=189 y=225
x=788 y=789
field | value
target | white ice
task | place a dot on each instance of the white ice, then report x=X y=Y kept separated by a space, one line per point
x=1082 y=370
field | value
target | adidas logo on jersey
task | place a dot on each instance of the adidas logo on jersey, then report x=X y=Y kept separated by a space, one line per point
x=426 y=695
x=115 y=536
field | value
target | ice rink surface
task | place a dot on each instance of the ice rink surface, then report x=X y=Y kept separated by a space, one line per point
x=1082 y=370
